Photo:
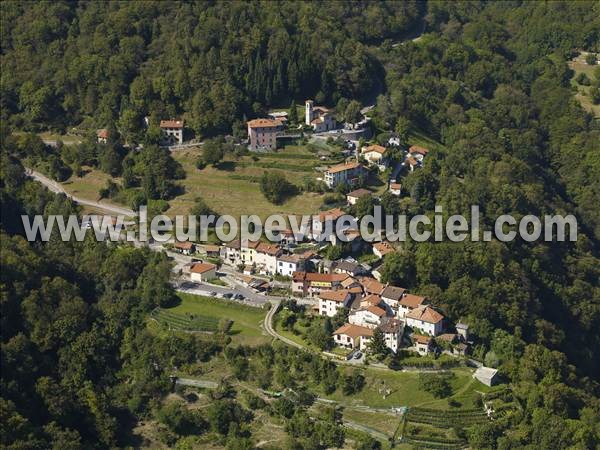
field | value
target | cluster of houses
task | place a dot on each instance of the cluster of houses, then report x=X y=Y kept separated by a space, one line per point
x=372 y=305
x=264 y=132
x=171 y=132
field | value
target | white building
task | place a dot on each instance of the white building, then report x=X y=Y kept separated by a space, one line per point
x=172 y=130
x=347 y=173
x=352 y=336
x=352 y=197
x=392 y=295
x=410 y=302
x=368 y=316
x=486 y=375
x=395 y=188
x=323 y=224
x=330 y=302
x=422 y=343
x=318 y=117
x=288 y=264
x=376 y=155
x=426 y=319
x=202 y=272
x=266 y=258
x=392 y=329
x=102 y=136
x=231 y=253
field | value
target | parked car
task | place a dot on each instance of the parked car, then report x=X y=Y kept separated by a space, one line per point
x=239 y=297
x=212 y=293
x=227 y=295
x=357 y=355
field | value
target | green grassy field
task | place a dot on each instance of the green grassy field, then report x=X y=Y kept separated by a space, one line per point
x=247 y=320
x=406 y=391
x=185 y=322
x=582 y=95
x=88 y=185
x=234 y=189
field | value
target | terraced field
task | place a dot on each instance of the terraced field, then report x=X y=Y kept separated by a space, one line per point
x=186 y=321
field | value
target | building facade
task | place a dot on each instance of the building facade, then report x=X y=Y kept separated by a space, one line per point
x=262 y=133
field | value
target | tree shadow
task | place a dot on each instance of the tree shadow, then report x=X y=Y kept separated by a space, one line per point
x=228 y=166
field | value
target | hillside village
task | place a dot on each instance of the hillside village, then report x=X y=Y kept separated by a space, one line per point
x=404 y=320
x=337 y=288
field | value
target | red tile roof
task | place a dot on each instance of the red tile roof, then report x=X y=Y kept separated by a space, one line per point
x=425 y=314
x=269 y=249
x=372 y=299
x=384 y=248
x=264 y=123
x=331 y=214
x=171 y=123
x=371 y=285
x=358 y=193
x=376 y=310
x=187 y=245
x=342 y=167
x=412 y=301
x=354 y=331
x=319 y=277
x=374 y=148
x=334 y=296
x=202 y=267
x=103 y=133
x=420 y=339
x=418 y=149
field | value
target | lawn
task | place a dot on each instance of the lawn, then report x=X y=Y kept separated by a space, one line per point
x=174 y=320
x=247 y=320
x=382 y=422
x=88 y=185
x=234 y=188
x=405 y=390
x=579 y=66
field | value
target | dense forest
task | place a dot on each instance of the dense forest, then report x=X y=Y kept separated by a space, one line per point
x=68 y=62
x=489 y=80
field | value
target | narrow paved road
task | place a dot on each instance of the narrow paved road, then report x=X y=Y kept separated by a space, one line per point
x=55 y=187
x=269 y=327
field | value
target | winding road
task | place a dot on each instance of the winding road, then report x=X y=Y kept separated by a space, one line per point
x=55 y=187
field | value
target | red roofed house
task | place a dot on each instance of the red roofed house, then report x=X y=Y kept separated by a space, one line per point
x=346 y=173
x=392 y=295
x=422 y=343
x=380 y=249
x=376 y=155
x=330 y=302
x=395 y=188
x=392 y=329
x=266 y=257
x=411 y=163
x=427 y=319
x=102 y=136
x=371 y=285
x=262 y=133
x=202 y=272
x=408 y=302
x=323 y=224
x=352 y=336
x=368 y=316
x=310 y=284
x=318 y=117
x=172 y=130
x=418 y=152
x=352 y=197
x=186 y=247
